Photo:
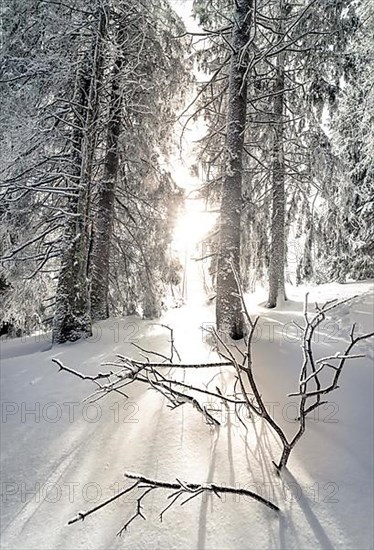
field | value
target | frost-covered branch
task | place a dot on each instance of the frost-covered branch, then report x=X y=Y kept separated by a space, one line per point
x=180 y=490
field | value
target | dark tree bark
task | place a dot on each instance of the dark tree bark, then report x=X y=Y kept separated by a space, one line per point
x=72 y=318
x=228 y=307
x=105 y=211
x=278 y=245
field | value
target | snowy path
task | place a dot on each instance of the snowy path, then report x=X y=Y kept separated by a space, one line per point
x=53 y=469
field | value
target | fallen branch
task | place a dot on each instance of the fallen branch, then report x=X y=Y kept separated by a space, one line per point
x=191 y=490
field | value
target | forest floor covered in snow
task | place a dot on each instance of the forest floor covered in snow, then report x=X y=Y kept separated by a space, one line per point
x=60 y=456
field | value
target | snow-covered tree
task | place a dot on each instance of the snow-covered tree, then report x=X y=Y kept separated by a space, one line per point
x=346 y=234
x=93 y=93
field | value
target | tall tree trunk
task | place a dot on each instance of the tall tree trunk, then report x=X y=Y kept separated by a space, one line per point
x=105 y=211
x=278 y=245
x=228 y=307
x=72 y=318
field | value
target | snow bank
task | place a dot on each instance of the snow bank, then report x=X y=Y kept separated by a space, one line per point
x=60 y=456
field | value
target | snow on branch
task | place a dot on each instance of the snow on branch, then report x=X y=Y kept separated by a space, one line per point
x=182 y=491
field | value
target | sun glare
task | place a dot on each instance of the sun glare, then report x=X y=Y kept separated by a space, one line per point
x=193 y=226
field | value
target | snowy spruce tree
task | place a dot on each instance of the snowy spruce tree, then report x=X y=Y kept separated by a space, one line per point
x=345 y=238
x=86 y=157
x=292 y=82
x=132 y=182
x=72 y=318
x=39 y=53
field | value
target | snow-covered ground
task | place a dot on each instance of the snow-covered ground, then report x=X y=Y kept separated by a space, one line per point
x=60 y=456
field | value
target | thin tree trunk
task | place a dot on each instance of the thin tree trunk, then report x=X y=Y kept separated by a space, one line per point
x=278 y=246
x=72 y=319
x=228 y=306
x=105 y=211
